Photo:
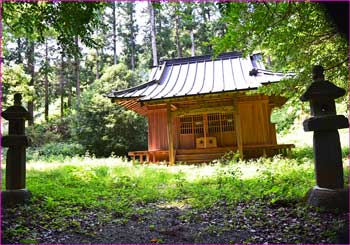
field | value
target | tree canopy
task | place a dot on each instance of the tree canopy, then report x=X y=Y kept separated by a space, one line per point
x=36 y=20
x=294 y=36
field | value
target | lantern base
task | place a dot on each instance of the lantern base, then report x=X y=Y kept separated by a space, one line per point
x=13 y=197
x=329 y=199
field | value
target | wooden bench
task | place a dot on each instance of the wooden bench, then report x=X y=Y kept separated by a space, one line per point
x=142 y=156
x=147 y=156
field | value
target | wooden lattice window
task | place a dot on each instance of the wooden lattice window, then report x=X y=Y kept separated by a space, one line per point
x=186 y=125
x=220 y=122
x=198 y=124
x=217 y=122
x=227 y=122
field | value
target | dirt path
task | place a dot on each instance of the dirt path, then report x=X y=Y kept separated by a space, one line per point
x=254 y=222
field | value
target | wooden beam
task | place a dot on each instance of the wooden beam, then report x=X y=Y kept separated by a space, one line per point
x=208 y=110
x=197 y=97
x=238 y=129
x=170 y=135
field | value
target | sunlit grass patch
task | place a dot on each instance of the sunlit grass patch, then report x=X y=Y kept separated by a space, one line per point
x=66 y=194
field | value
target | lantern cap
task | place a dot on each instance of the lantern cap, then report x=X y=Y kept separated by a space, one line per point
x=17 y=111
x=320 y=88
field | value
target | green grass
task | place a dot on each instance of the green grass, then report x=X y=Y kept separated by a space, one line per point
x=103 y=189
x=115 y=184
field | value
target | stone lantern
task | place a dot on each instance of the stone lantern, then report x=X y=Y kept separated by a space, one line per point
x=16 y=141
x=329 y=192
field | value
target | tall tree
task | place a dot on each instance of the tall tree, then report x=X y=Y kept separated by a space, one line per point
x=127 y=31
x=188 y=16
x=62 y=82
x=153 y=33
x=19 y=59
x=47 y=102
x=114 y=33
x=177 y=28
x=97 y=63
x=206 y=26
x=77 y=71
x=30 y=55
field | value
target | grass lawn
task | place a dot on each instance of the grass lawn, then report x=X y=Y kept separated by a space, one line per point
x=88 y=200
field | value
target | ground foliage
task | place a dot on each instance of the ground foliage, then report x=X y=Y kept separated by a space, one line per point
x=88 y=200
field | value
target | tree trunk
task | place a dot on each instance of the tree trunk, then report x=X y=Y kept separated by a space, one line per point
x=62 y=84
x=68 y=84
x=31 y=70
x=46 y=82
x=153 y=33
x=114 y=37
x=177 y=34
x=193 y=48
x=97 y=64
x=77 y=72
x=132 y=37
x=19 y=59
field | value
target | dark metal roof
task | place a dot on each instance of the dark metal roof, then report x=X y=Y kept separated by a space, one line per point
x=201 y=75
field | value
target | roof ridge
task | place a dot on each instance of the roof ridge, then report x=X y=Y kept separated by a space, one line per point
x=201 y=58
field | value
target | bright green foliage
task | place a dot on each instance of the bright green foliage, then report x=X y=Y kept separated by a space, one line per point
x=104 y=128
x=53 y=150
x=34 y=20
x=14 y=80
x=115 y=77
x=91 y=183
x=295 y=35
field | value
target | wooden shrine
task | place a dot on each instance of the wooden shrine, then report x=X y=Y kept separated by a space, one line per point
x=198 y=109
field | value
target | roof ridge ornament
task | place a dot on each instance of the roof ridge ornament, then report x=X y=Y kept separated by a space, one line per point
x=159 y=74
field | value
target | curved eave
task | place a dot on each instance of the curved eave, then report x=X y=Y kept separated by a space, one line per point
x=131 y=104
x=122 y=93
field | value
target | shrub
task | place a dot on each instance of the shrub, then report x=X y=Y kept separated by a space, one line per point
x=103 y=127
x=52 y=131
x=54 y=150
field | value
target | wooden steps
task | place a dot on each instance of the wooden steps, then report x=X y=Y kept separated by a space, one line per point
x=205 y=150
x=200 y=155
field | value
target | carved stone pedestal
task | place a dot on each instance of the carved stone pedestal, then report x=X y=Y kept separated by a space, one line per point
x=13 y=197
x=329 y=199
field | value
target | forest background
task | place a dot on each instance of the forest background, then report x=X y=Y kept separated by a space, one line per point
x=64 y=57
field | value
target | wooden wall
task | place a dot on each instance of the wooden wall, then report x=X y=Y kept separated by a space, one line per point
x=255 y=123
x=256 y=127
x=157 y=130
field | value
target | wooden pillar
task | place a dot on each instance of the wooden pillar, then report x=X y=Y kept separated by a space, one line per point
x=205 y=129
x=238 y=129
x=170 y=135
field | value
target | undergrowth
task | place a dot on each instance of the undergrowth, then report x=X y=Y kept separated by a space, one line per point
x=114 y=187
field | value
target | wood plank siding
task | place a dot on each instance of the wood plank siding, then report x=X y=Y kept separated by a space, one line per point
x=157 y=130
